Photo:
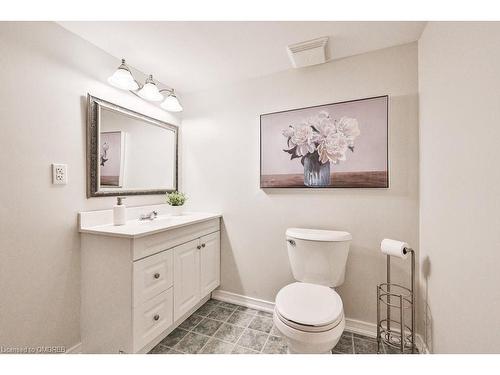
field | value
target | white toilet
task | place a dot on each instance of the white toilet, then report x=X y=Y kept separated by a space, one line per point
x=309 y=313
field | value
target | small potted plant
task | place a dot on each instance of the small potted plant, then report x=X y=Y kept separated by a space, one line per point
x=176 y=200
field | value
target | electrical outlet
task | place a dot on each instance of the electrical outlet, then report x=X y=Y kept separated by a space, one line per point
x=59 y=174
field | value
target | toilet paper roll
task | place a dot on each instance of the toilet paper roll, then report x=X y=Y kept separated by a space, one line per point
x=394 y=248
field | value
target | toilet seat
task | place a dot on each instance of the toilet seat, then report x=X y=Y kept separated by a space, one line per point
x=308 y=329
x=309 y=307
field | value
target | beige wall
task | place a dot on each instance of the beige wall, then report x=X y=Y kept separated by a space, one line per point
x=46 y=73
x=459 y=84
x=221 y=172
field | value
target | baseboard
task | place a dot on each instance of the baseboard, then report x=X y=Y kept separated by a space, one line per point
x=360 y=327
x=352 y=325
x=238 y=299
x=75 y=349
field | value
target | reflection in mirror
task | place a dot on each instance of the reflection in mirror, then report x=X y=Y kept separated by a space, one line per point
x=129 y=153
x=135 y=155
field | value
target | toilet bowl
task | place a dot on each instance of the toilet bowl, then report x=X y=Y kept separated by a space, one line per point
x=309 y=313
x=310 y=317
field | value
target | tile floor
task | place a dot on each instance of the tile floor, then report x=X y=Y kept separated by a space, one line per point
x=223 y=328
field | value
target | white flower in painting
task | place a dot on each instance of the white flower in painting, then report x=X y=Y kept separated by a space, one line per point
x=349 y=128
x=289 y=132
x=333 y=148
x=321 y=116
x=324 y=124
x=302 y=137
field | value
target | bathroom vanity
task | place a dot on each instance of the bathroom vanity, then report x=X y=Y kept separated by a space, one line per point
x=142 y=279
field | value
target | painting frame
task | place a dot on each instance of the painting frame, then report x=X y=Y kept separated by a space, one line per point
x=117 y=181
x=384 y=180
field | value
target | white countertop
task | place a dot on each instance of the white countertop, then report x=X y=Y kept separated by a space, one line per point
x=100 y=222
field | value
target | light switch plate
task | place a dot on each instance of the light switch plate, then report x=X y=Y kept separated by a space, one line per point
x=59 y=174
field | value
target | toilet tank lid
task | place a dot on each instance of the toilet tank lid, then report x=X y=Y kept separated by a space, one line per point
x=318 y=234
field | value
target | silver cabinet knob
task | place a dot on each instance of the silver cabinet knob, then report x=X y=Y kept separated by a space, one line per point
x=198 y=247
x=156 y=275
x=156 y=317
x=202 y=245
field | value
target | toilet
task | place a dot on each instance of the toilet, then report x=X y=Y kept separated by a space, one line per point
x=309 y=313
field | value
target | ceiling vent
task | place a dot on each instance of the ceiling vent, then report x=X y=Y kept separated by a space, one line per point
x=311 y=52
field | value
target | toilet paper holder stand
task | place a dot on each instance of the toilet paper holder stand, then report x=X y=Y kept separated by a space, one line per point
x=396 y=333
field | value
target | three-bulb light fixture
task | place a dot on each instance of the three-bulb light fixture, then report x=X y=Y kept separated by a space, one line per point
x=123 y=79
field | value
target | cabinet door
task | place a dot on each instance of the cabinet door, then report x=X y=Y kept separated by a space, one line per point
x=210 y=262
x=186 y=277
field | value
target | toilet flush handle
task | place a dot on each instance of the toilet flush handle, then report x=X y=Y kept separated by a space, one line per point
x=291 y=242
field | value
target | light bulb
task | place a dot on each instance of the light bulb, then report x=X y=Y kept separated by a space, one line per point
x=122 y=78
x=171 y=103
x=149 y=91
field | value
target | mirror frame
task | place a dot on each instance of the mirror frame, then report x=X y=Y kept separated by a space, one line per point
x=94 y=106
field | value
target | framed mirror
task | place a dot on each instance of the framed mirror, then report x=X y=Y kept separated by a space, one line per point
x=128 y=153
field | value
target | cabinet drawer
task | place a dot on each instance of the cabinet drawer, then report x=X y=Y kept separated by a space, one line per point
x=152 y=318
x=152 y=275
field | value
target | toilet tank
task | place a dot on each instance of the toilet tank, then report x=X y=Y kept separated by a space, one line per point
x=318 y=256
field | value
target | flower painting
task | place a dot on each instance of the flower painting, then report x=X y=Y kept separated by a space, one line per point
x=111 y=158
x=335 y=145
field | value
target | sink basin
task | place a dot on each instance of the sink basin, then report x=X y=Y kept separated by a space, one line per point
x=155 y=220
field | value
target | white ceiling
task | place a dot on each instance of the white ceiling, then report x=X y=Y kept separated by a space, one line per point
x=192 y=56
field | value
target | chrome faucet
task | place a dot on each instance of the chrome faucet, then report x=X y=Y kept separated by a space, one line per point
x=151 y=216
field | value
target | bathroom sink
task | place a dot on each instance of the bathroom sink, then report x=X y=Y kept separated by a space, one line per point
x=156 y=220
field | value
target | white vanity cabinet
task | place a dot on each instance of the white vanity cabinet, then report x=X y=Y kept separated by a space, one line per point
x=140 y=282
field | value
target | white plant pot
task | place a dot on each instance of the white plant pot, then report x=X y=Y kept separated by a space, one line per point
x=176 y=210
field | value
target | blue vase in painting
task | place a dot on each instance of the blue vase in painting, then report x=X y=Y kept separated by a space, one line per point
x=316 y=174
